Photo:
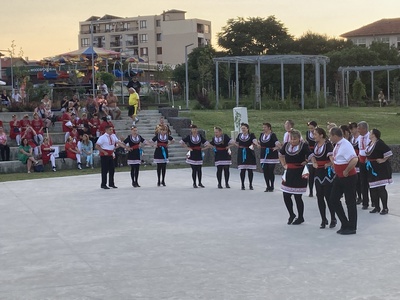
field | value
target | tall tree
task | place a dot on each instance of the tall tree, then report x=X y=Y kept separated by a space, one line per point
x=317 y=44
x=254 y=36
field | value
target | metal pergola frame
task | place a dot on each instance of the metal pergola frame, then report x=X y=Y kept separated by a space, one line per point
x=257 y=60
x=346 y=79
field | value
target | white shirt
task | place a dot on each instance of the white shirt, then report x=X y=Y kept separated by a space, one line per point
x=343 y=152
x=363 y=141
x=107 y=142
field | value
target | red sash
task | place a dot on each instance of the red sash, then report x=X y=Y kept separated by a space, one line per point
x=340 y=168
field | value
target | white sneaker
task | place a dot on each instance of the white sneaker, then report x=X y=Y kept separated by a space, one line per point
x=79 y=167
x=54 y=169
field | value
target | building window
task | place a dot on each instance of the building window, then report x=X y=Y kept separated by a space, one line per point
x=143 y=24
x=360 y=42
x=158 y=23
x=206 y=28
x=143 y=38
x=398 y=42
x=85 y=42
x=144 y=51
x=158 y=37
x=159 y=50
x=108 y=27
x=126 y=26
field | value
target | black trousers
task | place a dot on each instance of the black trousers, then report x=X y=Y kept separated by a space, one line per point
x=107 y=168
x=346 y=186
x=364 y=184
x=269 y=176
x=5 y=152
x=324 y=194
x=379 y=193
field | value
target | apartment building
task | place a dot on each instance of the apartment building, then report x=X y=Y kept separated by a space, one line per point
x=156 y=39
x=385 y=31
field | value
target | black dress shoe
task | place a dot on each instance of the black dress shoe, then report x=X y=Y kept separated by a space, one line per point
x=251 y=187
x=290 y=220
x=105 y=187
x=384 y=211
x=365 y=207
x=375 y=210
x=333 y=224
x=137 y=184
x=348 y=231
x=227 y=185
x=271 y=189
x=266 y=190
x=243 y=188
x=163 y=183
x=220 y=186
x=298 y=221
x=158 y=184
x=323 y=224
x=201 y=185
x=134 y=184
x=194 y=186
x=113 y=186
x=359 y=201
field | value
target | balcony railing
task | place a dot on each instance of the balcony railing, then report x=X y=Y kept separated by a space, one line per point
x=131 y=43
x=115 y=44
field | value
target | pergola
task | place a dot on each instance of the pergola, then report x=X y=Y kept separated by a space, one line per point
x=257 y=60
x=345 y=72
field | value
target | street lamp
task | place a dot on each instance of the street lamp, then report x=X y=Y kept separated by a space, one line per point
x=12 y=68
x=187 y=76
x=91 y=45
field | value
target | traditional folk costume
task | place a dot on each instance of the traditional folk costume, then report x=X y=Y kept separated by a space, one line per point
x=379 y=174
x=323 y=181
x=222 y=158
x=363 y=142
x=354 y=142
x=161 y=155
x=195 y=156
x=246 y=159
x=311 y=144
x=294 y=183
x=268 y=158
x=134 y=156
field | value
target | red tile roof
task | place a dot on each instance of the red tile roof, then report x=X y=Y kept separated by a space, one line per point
x=381 y=27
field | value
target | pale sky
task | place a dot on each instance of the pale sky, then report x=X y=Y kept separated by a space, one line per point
x=45 y=28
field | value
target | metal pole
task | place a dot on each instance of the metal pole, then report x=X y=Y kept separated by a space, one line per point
x=282 y=82
x=325 y=84
x=388 y=86
x=302 y=84
x=237 y=83
x=122 y=77
x=12 y=72
x=91 y=45
x=317 y=80
x=372 y=86
x=187 y=76
x=216 y=85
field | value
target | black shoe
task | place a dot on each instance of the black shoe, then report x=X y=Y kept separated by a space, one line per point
x=105 y=187
x=271 y=189
x=251 y=187
x=163 y=183
x=348 y=231
x=266 y=190
x=310 y=194
x=323 y=224
x=290 y=220
x=227 y=185
x=134 y=184
x=243 y=188
x=359 y=201
x=340 y=231
x=219 y=186
x=375 y=210
x=333 y=224
x=194 y=186
x=384 y=211
x=298 y=221
x=365 y=207
x=137 y=184
x=113 y=186
x=158 y=184
x=201 y=185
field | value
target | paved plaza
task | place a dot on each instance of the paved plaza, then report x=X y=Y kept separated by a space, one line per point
x=65 y=238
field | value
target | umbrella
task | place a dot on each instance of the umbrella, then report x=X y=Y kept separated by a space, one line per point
x=2 y=82
x=88 y=52
x=137 y=59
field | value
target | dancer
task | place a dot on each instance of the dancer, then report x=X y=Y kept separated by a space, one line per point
x=293 y=157
x=311 y=143
x=344 y=159
x=269 y=144
x=324 y=175
x=363 y=141
x=135 y=153
x=289 y=124
x=379 y=171
x=354 y=141
x=222 y=143
x=246 y=159
x=161 y=141
x=194 y=157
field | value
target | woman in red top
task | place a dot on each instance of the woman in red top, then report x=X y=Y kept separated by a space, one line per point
x=15 y=129
x=73 y=152
x=47 y=153
x=37 y=124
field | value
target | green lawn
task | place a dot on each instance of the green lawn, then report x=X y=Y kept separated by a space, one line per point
x=386 y=119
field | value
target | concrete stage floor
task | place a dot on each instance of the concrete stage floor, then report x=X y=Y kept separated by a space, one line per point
x=65 y=238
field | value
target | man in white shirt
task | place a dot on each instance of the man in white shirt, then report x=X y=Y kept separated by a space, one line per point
x=344 y=160
x=106 y=145
x=363 y=141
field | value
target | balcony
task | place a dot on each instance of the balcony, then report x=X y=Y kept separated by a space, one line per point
x=132 y=43
x=115 y=44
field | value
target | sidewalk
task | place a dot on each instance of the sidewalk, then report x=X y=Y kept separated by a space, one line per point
x=65 y=238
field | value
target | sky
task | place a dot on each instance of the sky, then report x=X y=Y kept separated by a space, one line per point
x=46 y=28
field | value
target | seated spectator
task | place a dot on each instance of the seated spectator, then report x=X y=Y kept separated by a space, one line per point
x=5 y=100
x=25 y=122
x=30 y=135
x=106 y=122
x=48 y=153
x=102 y=104
x=91 y=107
x=4 y=148
x=37 y=125
x=15 y=129
x=47 y=103
x=94 y=125
x=73 y=152
x=83 y=125
x=74 y=134
x=25 y=154
x=67 y=125
x=64 y=104
x=76 y=103
x=86 y=148
x=114 y=110
x=16 y=96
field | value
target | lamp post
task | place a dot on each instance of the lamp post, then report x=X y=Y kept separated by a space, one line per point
x=91 y=45
x=187 y=76
x=12 y=68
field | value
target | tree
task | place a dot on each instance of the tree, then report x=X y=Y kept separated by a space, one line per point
x=254 y=36
x=358 y=90
x=317 y=44
x=106 y=77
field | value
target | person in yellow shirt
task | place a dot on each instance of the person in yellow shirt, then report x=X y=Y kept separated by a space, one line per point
x=134 y=105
